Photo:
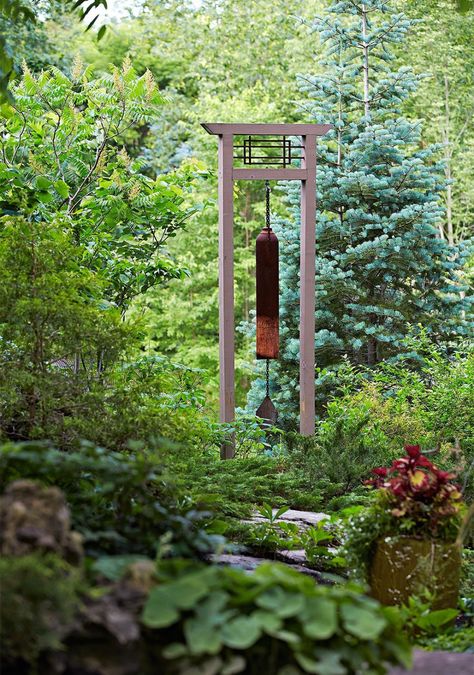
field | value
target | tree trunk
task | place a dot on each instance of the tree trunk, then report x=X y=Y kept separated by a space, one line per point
x=448 y=154
x=365 y=50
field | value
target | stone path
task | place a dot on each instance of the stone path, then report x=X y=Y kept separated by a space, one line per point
x=297 y=559
x=249 y=563
x=303 y=519
x=438 y=663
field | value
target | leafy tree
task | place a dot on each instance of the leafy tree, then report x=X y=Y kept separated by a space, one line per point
x=442 y=48
x=83 y=231
x=380 y=262
x=52 y=331
x=62 y=154
x=20 y=16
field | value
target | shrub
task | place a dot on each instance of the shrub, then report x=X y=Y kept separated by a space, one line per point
x=422 y=499
x=378 y=412
x=150 y=397
x=120 y=502
x=61 y=351
x=52 y=332
x=39 y=596
x=273 y=621
x=360 y=431
x=234 y=488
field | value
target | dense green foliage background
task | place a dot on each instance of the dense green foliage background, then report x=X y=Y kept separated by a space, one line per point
x=249 y=78
x=108 y=317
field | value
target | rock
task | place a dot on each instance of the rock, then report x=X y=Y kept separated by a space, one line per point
x=36 y=518
x=250 y=563
x=141 y=575
x=438 y=663
x=292 y=557
x=303 y=519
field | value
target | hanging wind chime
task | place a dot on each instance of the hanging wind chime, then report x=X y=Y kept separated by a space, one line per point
x=276 y=163
x=267 y=278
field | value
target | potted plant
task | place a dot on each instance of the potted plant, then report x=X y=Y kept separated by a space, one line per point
x=410 y=534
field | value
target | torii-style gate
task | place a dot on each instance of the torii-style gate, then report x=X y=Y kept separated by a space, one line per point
x=307 y=175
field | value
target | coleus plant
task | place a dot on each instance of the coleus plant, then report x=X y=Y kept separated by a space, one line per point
x=423 y=499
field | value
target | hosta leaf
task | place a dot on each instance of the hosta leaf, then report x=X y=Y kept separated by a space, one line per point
x=241 y=633
x=202 y=636
x=267 y=621
x=319 y=618
x=236 y=665
x=284 y=604
x=159 y=610
x=329 y=663
x=362 y=622
x=308 y=664
x=174 y=651
x=185 y=592
x=285 y=636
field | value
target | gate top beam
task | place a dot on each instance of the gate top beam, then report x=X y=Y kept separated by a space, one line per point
x=268 y=129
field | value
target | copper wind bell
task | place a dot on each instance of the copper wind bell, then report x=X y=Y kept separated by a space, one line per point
x=267 y=278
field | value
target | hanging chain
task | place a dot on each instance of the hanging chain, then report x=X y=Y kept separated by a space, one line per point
x=267 y=378
x=267 y=207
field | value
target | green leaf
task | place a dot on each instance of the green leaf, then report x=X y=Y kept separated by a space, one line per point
x=237 y=664
x=267 y=621
x=285 y=636
x=45 y=197
x=362 y=622
x=62 y=188
x=308 y=664
x=159 y=610
x=281 y=511
x=201 y=636
x=185 y=592
x=319 y=618
x=164 y=601
x=241 y=633
x=282 y=603
x=43 y=183
x=436 y=618
x=210 y=609
x=329 y=663
x=174 y=651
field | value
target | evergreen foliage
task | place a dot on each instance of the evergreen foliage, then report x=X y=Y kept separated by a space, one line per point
x=381 y=264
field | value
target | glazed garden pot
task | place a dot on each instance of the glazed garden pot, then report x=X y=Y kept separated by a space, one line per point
x=403 y=566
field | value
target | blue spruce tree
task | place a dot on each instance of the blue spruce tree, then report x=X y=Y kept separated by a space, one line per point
x=381 y=264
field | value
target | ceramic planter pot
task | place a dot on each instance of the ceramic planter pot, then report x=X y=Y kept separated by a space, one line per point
x=403 y=566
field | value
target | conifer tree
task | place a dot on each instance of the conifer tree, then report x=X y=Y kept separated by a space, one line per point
x=380 y=262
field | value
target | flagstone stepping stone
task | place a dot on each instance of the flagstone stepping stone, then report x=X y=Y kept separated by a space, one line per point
x=438 y=663
x=303 y=519
x=250 y=563
x=297 y=557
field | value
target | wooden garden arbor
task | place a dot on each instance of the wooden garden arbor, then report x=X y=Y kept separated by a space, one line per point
x=282 y=134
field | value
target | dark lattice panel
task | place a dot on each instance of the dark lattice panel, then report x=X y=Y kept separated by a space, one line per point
x=280 y=151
